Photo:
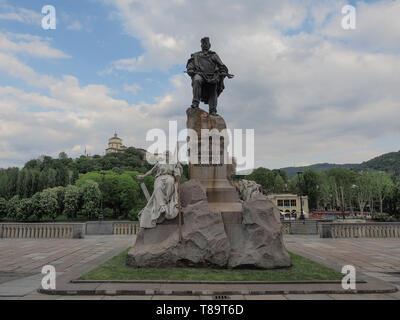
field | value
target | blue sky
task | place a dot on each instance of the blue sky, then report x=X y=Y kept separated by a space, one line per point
x=312 y=91
x=96 y=40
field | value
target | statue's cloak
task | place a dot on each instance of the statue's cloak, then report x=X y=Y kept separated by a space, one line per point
x=210 y=67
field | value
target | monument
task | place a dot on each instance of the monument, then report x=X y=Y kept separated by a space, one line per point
x=208 y=73
x=218 y=225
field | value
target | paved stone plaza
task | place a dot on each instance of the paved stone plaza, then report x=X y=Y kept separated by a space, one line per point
x=21 y=262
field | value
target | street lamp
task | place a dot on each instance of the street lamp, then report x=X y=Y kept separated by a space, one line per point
x=300 y=174
x=101 y=215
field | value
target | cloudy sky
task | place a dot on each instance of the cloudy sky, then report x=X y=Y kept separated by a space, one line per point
x=312 y=91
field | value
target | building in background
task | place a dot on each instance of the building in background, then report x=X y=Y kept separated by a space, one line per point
x=289 y=204
x=115 y=145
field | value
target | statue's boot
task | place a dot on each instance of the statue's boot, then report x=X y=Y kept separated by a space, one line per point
x=213 y=111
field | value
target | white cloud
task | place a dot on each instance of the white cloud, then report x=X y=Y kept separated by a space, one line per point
x=310 y=95
x=377 y=29
x=326 y=91
x=70 y=22
x=32 y=45
x=75 y=25
x=9 y=12
x=134 y=88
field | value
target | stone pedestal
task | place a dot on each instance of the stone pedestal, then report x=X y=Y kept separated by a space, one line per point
x=218 y=229
x=215 y=178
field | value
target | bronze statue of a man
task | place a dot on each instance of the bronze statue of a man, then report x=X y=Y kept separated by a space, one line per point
x=208 y=73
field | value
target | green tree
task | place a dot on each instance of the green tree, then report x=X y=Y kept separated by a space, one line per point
x=42 y=183
x=51 y=178
x=4 y=184
x=24 y=210
x=12 y=174
x=3 y=208
x=71 y=201
x=12 y=207
x=60 y=192
x=344 y=181
x=382 y=187
x=263 y=177
x=279 y=184
x=62 y=155
x=90 y=199
x=363 y=190
x=129 y=191
x=48 y=204
x=312 y=187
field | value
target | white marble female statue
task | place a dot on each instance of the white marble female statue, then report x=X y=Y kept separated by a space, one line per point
x=164 y=200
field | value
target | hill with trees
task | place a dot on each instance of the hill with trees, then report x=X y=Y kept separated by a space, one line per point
x=48 y=189
x=292 y=171
x=388 y=162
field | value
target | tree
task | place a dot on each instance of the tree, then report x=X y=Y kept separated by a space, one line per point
x=51 y=178
x=311 y=187
x=279 y=184
x=71 y=201
x=12 y=174
x=12 y=207
x=393 y=200
x=363 y=190
x=3 y=208
x=62 y=155
x=129 y=193
x=4 y=184
x=263 y=177
x=42 y=183
x=24 y=210
x=90 y=199
x=344 y=180
x=22 y=183
x=60 y=192
x=382 y=187
x=48 y=204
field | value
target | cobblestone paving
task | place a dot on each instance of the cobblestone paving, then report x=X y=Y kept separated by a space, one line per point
x=21 y=262
x=378 y=258
x=22 y=256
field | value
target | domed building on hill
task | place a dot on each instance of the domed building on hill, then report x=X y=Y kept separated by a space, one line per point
x=115 y=145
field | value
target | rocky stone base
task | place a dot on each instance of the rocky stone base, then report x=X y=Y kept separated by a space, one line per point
x=255 y=243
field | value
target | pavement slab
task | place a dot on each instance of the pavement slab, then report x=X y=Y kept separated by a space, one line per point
x=377 y=262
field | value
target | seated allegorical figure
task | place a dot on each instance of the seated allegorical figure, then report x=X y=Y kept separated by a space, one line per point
x=164 y=200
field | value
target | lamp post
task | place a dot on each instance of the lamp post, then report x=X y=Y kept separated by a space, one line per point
x=101 y=216
x=300 y=174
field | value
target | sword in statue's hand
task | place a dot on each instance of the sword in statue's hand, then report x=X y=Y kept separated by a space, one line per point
x=221 y=74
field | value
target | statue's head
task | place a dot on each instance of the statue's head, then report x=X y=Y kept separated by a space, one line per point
x=205 y=43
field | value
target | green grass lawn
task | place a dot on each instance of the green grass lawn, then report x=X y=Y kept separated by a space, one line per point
x=301 y=269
